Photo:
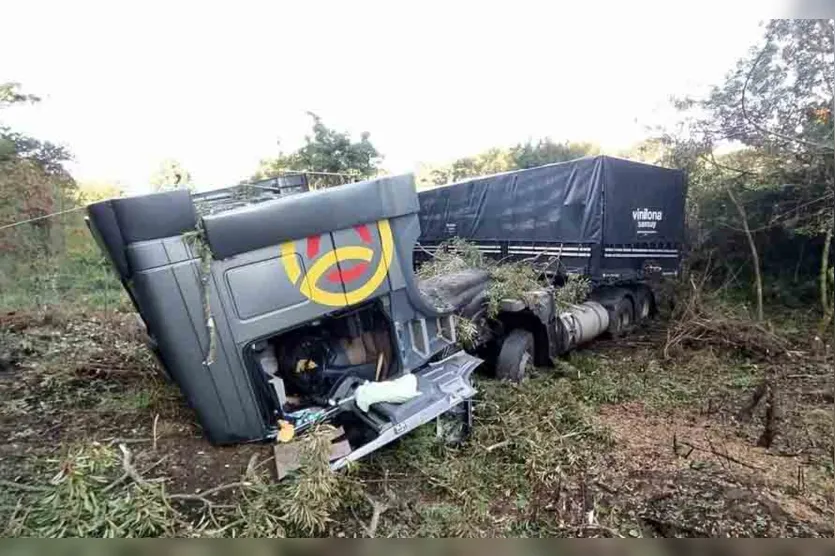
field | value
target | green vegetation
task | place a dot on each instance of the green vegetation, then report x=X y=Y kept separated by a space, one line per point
x=47 y=261
x=97 y=491
x=760 y=215
x=574 y=290
x=508 y=280
x=171 y=174
x=495 y=160
x=327 y=151
x=529 y=442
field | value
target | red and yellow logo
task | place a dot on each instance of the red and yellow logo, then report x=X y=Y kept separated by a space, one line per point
x=343 y=275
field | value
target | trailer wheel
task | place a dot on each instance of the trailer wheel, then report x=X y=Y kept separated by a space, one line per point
x=621 y=318
x=515 y=356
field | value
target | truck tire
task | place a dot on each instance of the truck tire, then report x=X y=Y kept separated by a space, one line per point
x=621 y=318
x=516 y=354
x=643 y=305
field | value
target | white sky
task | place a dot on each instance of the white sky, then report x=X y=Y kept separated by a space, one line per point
x=216 y=84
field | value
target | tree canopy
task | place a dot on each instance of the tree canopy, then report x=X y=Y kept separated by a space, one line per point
x=33 y=180
x=777 y=183
x=171 y=175
x=498 y=159
x=326 y=150
x=33 y=184
x=14 y=145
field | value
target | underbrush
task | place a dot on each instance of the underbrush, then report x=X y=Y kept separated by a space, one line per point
x=75 y=274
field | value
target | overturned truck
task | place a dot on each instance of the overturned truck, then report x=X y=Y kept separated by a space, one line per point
x=282 y=308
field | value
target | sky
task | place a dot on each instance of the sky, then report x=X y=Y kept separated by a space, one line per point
x=217 y=85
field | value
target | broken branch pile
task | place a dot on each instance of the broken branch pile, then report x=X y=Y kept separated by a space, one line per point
x=701 y=322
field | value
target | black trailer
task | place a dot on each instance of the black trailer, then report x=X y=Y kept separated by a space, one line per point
x=611 y=219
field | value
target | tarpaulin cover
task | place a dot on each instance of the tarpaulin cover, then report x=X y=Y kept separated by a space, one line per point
x=589 y=200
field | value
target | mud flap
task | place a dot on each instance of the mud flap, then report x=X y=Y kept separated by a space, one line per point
x=442 y=386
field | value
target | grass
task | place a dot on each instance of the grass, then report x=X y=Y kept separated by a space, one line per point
x=73 y=273
x=531 y=442
x=643 y=375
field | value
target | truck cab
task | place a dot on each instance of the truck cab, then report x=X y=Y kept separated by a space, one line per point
x=272 y=308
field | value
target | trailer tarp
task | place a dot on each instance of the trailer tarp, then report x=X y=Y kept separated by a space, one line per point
x=589 y=200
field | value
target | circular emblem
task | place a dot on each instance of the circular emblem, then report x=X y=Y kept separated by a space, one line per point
x=348 y=266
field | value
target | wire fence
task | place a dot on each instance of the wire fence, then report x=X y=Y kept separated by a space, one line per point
x=53 y=260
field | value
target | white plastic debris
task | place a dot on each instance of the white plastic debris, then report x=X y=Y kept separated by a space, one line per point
x=391 y=391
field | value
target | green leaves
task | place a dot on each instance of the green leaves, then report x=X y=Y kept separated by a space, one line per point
x=10 y=94
x=171 y=174
x=326 y=150
x=496 y=160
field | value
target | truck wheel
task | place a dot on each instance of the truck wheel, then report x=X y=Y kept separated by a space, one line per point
x=643 y=305
x=621 y=318
x=515 y=356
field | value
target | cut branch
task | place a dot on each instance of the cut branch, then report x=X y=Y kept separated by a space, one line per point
x=202 y=497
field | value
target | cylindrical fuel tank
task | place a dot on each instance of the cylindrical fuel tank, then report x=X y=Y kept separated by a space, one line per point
x=583 y=322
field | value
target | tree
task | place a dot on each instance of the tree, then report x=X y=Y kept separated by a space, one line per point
x=495 y=160
x=776 y=105
x=33 y=180
x=651 y=151
x=328 y=151
x=171 y=175
x=92 y=191
x=546 y=151
x=15 y=145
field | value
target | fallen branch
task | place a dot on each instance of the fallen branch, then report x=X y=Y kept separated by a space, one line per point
x=154 y=431
x=202 y=497
x=125 y=476
x=130 y=470
x=722 y=455
x=127 y=440
x=378 y=508
x=496 y=446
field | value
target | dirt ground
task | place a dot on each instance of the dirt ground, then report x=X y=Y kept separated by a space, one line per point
x=617 y=441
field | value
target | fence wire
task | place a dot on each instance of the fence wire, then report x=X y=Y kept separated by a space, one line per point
x=53 y=260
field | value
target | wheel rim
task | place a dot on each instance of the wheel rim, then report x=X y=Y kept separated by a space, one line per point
x=624 y=320
x=523 y=363
x=644 y=308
